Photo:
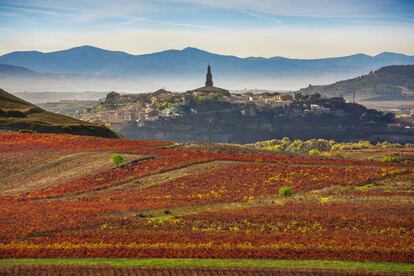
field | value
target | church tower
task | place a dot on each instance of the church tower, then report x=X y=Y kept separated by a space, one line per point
x=209 y=88
x=209 y=77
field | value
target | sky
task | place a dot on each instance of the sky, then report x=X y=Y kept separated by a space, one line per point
x=289 y=28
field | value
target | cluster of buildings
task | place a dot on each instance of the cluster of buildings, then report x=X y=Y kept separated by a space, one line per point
x=141 y=108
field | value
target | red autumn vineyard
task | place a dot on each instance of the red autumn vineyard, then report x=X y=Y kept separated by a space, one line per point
x=176 y=202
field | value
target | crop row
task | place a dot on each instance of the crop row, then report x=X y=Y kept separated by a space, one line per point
x=294 y=229
x=246 y=182
x=117 y=224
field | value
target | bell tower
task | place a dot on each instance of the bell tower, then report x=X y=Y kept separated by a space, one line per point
x=209 y=77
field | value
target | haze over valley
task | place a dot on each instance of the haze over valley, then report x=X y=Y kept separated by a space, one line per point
x=88 y=68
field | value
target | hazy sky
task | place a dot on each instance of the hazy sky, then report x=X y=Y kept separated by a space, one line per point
x=291 y=28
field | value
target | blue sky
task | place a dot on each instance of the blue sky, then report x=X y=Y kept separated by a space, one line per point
x=292 y=28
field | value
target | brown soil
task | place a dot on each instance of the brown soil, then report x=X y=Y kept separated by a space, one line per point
x=96 y=270
x=59 y=170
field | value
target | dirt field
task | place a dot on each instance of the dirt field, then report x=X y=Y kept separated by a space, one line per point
x=54 y=171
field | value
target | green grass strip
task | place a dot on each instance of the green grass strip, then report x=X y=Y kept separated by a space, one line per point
x=215 y=263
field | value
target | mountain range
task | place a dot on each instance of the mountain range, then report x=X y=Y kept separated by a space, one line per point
x=88 y=67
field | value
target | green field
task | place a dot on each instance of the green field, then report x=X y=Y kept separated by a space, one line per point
x=215 y=263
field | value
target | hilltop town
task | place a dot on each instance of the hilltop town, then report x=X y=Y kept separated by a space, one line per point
x=117 y=110
x=240 y=117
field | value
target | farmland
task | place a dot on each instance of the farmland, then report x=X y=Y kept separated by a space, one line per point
x=61 y=197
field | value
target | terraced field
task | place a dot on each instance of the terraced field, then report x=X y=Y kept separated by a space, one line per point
x=61 y=197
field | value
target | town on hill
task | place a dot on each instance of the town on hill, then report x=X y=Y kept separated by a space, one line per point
x=210 y=112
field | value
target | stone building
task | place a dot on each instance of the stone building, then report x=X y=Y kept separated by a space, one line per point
x=113 y=97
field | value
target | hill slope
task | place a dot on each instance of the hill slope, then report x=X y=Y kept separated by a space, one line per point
x=16 y=71
x=185 y=68
x=210 y=202
x=17 y=114
x=391 y=82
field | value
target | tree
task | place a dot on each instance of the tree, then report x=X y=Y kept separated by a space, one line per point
x=117 y=159
x=285 y=191
x=297 y=96
x=315 y=96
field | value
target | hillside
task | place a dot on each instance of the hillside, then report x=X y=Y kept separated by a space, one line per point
x=390 y=82
x=184 y=69
x=306 y=118
x=204 y=202
x=18 y=71
x=17 y=114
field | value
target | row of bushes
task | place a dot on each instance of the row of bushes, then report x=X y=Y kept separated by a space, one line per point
x=323 y=147
x=318 y=146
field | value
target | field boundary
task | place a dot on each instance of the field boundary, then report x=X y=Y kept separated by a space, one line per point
x=214 y=263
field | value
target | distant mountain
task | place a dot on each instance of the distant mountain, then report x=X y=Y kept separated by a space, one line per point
x=16 y=71
x=185 y=69
x=388 y=83
x=19 y=115
x=48 y=97
x=18 y=79
x=79 y=60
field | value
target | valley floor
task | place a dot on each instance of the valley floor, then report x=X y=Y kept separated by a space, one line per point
x=60 y=197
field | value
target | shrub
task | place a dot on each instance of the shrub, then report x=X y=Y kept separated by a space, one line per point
x=324 y=200
x=314 y=152
x=390 y=158
x=285 y=191
x=25 y=130
x=117 y=159
x=275 y=148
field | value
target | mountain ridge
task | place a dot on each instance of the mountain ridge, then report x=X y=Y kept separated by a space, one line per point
x=195 y=49
x=185 y=68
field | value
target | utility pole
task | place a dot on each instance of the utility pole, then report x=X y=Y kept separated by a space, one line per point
x=353 y=96
x=210 y=124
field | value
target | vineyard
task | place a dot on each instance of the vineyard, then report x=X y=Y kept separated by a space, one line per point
x=61 y=197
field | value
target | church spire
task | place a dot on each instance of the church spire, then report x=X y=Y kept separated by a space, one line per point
x=209 y=77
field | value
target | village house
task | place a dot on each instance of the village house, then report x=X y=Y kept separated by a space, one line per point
x=319 y=109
